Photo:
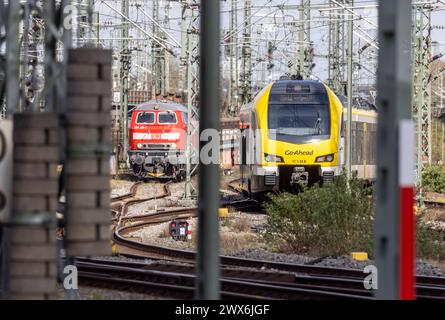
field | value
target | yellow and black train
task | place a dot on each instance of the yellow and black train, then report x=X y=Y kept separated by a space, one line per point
x=293 y=136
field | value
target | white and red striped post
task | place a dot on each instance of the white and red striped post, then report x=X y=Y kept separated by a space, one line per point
x=407 y=223
x=394 y=217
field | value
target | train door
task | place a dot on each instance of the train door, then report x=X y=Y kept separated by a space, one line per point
x=254 y=147
x=245 y=155
x=341 y=141
x=247 y=123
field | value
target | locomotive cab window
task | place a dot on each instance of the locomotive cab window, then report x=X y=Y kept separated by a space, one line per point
x=145 y=118
x=185 y=117
x=342 y=126
x=167 y=117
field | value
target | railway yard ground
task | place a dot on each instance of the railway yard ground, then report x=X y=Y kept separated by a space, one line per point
x=241 y=235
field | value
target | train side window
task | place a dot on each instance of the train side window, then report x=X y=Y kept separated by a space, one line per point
x=243 y=149
x=145 y=118
x=342 y=126
x=253 y=122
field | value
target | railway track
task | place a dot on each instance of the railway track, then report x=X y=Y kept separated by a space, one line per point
x=251 y=284
x=433 y=199
x=302 y=281
x=120 y=204
x=130 y=194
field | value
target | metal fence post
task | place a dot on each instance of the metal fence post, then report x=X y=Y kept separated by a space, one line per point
x=12 y=102
x=208 y=225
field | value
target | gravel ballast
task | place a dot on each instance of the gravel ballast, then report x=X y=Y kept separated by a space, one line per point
x=236 y=239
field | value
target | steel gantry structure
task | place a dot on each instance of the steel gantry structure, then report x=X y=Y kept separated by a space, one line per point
x=192 y=95
x=158 y=56
x=246 y=63
x=42 y=32
x=125 y=65
x=422 y=85
x=233 y=60
x=305 y=48
x=336 y=50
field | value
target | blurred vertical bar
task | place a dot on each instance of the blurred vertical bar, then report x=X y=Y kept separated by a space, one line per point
x=67 y=16
x=13 y=58
x=12 y=102
x=394 y=102
x=49 y=12
x=208 y=225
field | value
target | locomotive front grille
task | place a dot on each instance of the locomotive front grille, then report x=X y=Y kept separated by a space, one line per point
x=328 y=176
x=158 y=145
x=270 y=180
x=157 y=154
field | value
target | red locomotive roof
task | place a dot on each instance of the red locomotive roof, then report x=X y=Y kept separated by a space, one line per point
x=162 y=106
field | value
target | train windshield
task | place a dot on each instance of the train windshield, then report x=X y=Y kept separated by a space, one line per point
x=167 y=117
x=145 y=118
x=298 y=123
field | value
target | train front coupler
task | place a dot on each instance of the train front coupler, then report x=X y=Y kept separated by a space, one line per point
x=299 y=177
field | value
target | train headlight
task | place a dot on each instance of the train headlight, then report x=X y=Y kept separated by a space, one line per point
x=272 y=158
x=170 y=136
x=328 y=158
x=139 y=145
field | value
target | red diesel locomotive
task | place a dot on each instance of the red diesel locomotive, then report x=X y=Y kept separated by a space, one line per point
x=158 y=139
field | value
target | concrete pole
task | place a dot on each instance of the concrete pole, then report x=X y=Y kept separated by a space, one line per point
x=307 y=40
x=330 y=42
x=188 y=188
x=166 y=53
x=208 y=286
x=233 y=87
x=348 y=146
x=236 y=91
x=442 y=122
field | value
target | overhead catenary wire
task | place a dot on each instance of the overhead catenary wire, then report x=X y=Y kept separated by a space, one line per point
x=138 y=27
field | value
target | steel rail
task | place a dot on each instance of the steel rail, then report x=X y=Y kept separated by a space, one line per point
x=286 y=279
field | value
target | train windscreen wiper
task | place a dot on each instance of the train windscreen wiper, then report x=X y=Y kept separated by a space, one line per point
x=317 y=126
